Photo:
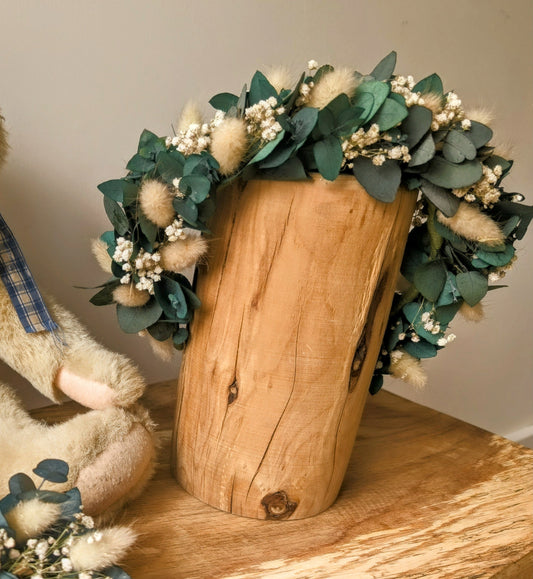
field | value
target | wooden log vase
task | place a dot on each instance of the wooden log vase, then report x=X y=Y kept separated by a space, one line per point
x=295 y=300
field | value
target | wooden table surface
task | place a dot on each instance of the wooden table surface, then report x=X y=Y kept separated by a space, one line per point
x=425 y=496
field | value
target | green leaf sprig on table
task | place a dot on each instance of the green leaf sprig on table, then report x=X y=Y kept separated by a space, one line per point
x=388 y=131
x=64 y=540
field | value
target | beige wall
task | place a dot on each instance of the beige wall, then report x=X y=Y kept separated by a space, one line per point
x=80 y=80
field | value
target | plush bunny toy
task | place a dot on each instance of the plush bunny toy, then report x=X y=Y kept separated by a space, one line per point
x=110 y=449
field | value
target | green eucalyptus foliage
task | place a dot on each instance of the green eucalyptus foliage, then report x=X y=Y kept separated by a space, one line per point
x=444 y=159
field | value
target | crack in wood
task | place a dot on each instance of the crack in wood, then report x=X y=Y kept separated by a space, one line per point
x=283 y=412
x=255 y=300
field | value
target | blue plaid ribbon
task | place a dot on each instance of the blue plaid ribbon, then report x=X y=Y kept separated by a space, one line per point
x=21 y=286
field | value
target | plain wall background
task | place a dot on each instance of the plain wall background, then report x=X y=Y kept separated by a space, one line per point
x=79 y=80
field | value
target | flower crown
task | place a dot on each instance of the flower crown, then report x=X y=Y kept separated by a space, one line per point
x=386 y=130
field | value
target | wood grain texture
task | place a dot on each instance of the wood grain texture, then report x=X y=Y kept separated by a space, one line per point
x=295 y=300
x=425 y=495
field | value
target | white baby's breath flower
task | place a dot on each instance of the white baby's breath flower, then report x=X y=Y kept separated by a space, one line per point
x=312 y=65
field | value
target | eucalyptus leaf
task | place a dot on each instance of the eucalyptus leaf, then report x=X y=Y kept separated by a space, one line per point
x=280 y=155
x=479 y=134
x=114 y=189
x=385 y=68
x=338 y=106
x=430 y=84
x=379 y=182
x=291 y=170
x=105 y=296
x=116 y=215
x=376 y=384
x=108 y=237
x=447 y=233
x=170 y=165
x=446 y=313
x=449 y=294
x=224 y=101
x=242 y=102
x=261 y=89
x=416 y=124
x=421 y=349
x=413 y=258
x=20 y=483
x=497 y=259
x=510 y=225
x=424 y=152
x=130 y=194
x=429 y=279
x=451 y=175
x=162 y=331
x=495 y=160
x=187 y=209
x=53 y=470
x=180 y=337
x=139 y=164
x=394 y=336
x=378 y=91
x=447 y=202
x=265 y=151
x=72 y=505
x=413 y=311
x=458 y=147
x=197 y=187
x=326 y=122
x=348 y=121
x=149 y=144
x=328 y=156
x=148 y=228
x=390 y=114
x=192 y=298
x=302 y=124
x=473 y=286
x=133 y=320
x=170 y=296
x=116 y=573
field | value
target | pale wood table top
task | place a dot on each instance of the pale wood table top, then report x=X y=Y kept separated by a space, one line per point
x=425 y=496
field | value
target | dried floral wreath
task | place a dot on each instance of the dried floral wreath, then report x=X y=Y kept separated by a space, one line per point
x=386 y=130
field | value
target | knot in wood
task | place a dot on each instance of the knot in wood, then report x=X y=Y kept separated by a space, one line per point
x=233 y=392
x=278 y=505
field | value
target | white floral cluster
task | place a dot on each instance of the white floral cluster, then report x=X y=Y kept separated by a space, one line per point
x=123 y=251
x=145 y=265
x=196 y=138
x=261 y=119
x=403 y=85
x=430 y=325
x=7 y=545
x=49 y=556
x=452 y=112
x=175 y=230
x=420 y=215
x=361 y=142
x=483 y=190
x=148 y=270
x=500 y=272
x=304 y=92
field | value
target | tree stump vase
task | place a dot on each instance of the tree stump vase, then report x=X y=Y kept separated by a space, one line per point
x=295 y=300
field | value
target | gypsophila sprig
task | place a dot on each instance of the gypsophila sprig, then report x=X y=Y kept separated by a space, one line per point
x=43 y=532
x=389 y=131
